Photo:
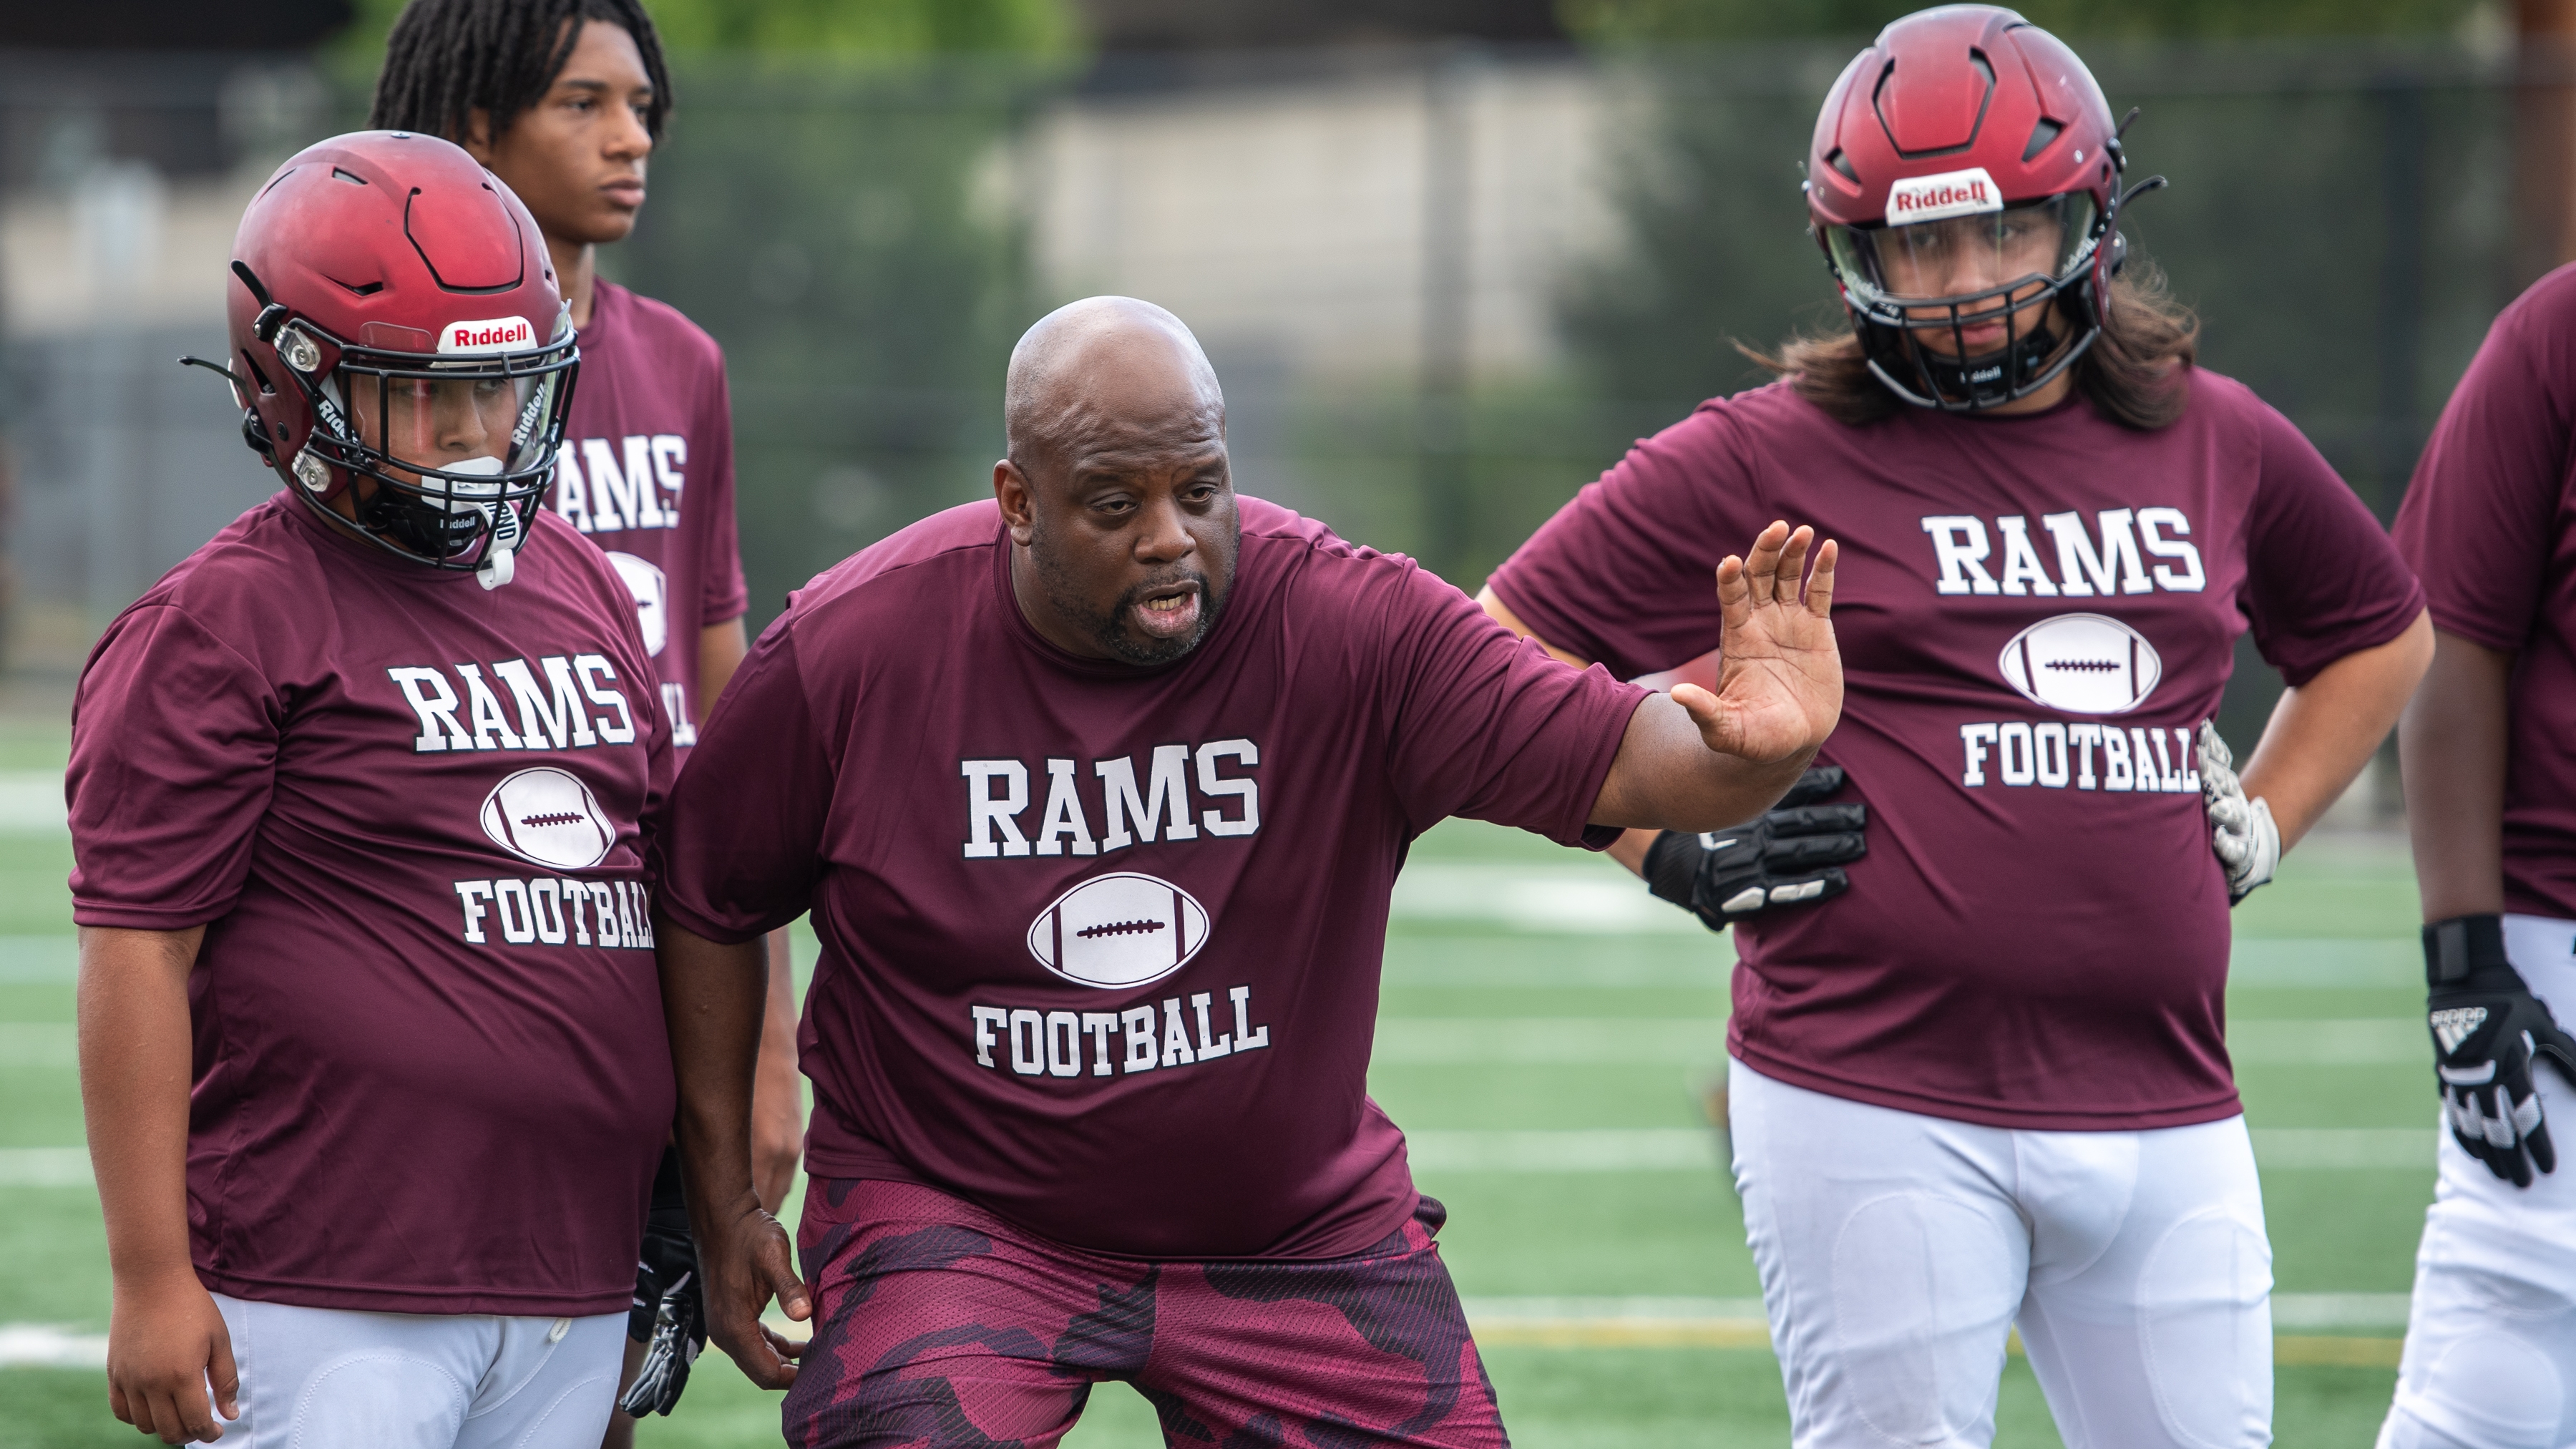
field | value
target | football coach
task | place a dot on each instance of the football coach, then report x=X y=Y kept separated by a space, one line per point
x=1097 y=792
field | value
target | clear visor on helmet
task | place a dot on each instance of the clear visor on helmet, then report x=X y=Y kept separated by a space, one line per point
x=462 y=439
x=2014 y=253
x=477 y=423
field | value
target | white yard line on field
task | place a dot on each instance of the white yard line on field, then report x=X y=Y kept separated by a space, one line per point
x=1468 y=1040
x=1532 y=1322
x=1695 y=1149
x=1561 y=898
x=44 y=1167
x=1642 y=1041
x=1414 y=1041
x=2290 y=1311
x=1598 y=898
x=1597 y=1150
x=46 y=1345
x=1739 y=1323
x=26 y=960
x=31 y=803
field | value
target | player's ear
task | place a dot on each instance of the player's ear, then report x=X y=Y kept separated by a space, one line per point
x=476 y=137
x=1012 y=491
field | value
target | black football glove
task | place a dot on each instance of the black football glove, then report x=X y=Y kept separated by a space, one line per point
x=668 y=1315
x=2487 y=1028
x=1791 y=856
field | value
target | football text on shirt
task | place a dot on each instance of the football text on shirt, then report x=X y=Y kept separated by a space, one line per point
x=1961 y=547
x=1049 y=1043
x=550 y=910
x=1157 y=929
x=2055 y=755
x=998 y=793
x=634 y=482
x=544 y=815
x=576 y=706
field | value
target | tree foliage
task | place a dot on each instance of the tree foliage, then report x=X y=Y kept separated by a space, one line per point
x=1637 y=21
x=869 y=27
x=806 y=29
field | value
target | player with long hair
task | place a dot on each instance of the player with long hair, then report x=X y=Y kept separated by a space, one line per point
x=1979 y=1073
x=565 y=100
x=372 y=1061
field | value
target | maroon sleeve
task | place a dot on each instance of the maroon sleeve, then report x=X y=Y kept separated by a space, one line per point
x=2480 y=518
x=2321 y=578
x=1487 y=726
x=1625 y=573
x=739 y=849
x=727 y=596
x=174 y=757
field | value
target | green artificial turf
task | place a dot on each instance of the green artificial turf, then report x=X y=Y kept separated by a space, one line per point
x=2331 y=941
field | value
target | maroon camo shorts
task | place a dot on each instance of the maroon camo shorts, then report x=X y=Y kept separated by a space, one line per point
x=941 y=1326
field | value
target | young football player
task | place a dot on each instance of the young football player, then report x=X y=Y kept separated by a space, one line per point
x=2490 y=1358
x=372 y=1056
x=1103 y=917
x=564 y=100
x=1979 y=1073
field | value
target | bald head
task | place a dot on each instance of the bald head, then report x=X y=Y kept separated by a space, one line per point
x=1117 y=491
x=1108 y=375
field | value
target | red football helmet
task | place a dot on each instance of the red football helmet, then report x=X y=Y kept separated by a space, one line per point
x=396 y=318
x=1963 y=183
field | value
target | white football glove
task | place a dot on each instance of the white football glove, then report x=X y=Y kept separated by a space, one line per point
x=2241 y=831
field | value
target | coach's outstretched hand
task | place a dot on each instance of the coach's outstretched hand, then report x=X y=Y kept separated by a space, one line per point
x=1779 y=674
x=745 y=1256
x=1702 y=759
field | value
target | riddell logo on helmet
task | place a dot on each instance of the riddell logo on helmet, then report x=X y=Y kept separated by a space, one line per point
x=497 y=334
x=1952 y=193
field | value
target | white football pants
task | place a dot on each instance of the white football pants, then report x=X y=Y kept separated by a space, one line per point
x=1897 y=1251
x=326 y=1378
x=2491 y=1341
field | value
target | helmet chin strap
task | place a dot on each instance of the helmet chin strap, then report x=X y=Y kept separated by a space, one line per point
x=1959 y=378
x=431 y=525
x=1971 y=384
x=500 y=561
x=500 y=556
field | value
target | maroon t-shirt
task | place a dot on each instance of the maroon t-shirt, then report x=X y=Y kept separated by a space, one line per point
x=2490 y=523
x=647 y=472
x=430 y=1069
x=2035 y=613
x=1100 y=944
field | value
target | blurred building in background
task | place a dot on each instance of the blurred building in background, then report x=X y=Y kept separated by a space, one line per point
x=131 y=133
x=1449 y=257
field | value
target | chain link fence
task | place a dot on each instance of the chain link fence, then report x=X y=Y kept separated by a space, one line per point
x=867 y=242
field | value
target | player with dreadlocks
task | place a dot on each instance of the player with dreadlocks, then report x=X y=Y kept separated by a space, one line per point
x=564 y=100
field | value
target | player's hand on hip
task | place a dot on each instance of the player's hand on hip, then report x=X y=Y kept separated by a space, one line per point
x=1780 y=676
x=1791 y=855
x=166 y=1345
x=2241 y=832
x=2488 y=1031
x=749 y=1266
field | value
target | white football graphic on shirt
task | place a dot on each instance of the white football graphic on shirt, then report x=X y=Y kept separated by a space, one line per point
x=652 y=594
x=1119 y=930
x=548 y=816
x=2082 y=664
